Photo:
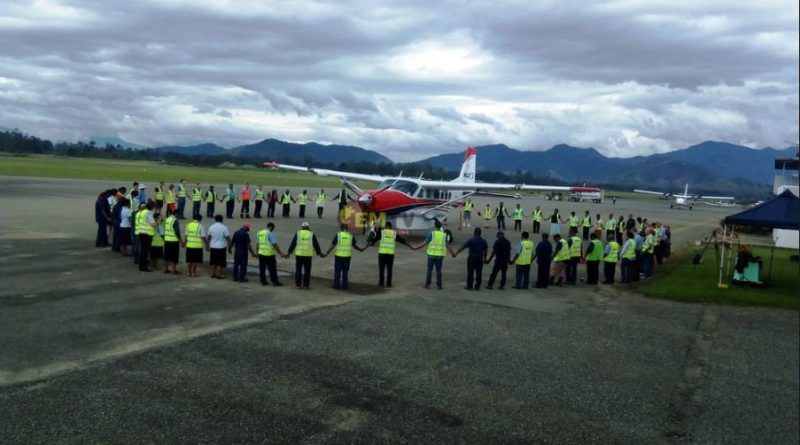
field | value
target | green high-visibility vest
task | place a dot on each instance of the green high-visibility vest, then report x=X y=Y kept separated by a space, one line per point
x=575 y=248
x=387 y=243
x=344 y=245
x=648 y=246
x=302 y=199
x=518 y=214
x=144 y=228
x=587 y=221
x=181 y=191
x=487 y=213
x=611 y=224
x=197 y=195
x=259 y=195
x=613 y=253
x=210 y=196
x=573 y=222
x=537 y=215
x=321 y=199
x=621 y=226
x=169 y=230
x=468 y=206
x=159 y=194
x=286 y=199
x=630 y=252
x=305 y=243
x=170 y=197
x=265 y=248
x=597 y=251
x=563 y=254
x=158 y=241
x=525 y=256
x=436 y=246
x=193 y=238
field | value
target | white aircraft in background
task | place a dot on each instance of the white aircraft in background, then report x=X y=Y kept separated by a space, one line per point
x=412 y=204
x=688 y=201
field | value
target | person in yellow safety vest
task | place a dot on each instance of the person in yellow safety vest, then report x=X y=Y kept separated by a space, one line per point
x=594 y=254
x=573 y=224
x=487 y=216
x=586 y=224
x=343 y=243
x=639 y=225
x=172 y=242
x=561 y=257
x=627 y=256
x=259 y=197
x=468 y=207
x=303 y=245
x=146 y=225
x=575 y=257
x=211 y=200
x=523 y=254
x=320 y=199
x=197 y=199
x=648 y=248
x=436 y=251
x=386 y=239
x=302 y=201
x=157 y=246
x=159 y=191
x=181 y=190
x=519 y=214
x=266 y=247
x=611 y=255
x=537 y=219
x=286 y=202
x=611 y=228
x=620 y=229
x=194 y=240
x=172 y=200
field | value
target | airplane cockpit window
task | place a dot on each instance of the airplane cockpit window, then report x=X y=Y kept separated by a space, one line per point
x=407 y=187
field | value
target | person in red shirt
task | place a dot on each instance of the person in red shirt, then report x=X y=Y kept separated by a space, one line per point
x=244 y=210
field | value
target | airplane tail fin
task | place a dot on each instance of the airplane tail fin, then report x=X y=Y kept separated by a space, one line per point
x=467 y=173
x=686 y=190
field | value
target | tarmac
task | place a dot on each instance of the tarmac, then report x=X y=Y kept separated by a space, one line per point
x=92 y=351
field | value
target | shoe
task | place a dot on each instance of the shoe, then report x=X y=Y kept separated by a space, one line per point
x=264 y=284
x=427 y=286
x=336 y=287
x=277 y=284
x=306 y=288
x=244 y=280
x=439 y=286
x=477 y=289
x=489 y=287
x=298 y=287
x=389 y=285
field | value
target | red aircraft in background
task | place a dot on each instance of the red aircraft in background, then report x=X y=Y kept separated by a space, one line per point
x=412 y=204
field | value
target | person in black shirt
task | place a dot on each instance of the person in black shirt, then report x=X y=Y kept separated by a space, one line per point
x=543 y=255
x=477 y=255
x=501 y=252
x=102 y=216
x=240 y=245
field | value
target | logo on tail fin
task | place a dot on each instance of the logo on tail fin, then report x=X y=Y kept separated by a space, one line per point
x=468 y=167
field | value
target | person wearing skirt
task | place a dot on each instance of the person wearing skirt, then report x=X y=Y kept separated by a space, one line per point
x=555 y=223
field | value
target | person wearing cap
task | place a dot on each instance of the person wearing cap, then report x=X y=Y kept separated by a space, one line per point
x=303 y=245
x=267 y=246
x=159 y=191
x=344 y=242
x=240 y=244
x=437 y=248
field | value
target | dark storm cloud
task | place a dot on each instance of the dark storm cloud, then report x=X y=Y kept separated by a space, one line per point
x=626 y=77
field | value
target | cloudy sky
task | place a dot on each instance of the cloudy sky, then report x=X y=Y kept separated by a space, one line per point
x=407 y=79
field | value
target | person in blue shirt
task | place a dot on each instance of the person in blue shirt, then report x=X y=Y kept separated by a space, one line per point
x=637 y=263
x=478 y=248
x=102 y=216
x=501 y=252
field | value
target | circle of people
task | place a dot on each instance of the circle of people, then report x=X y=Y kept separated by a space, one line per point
x=149 y=231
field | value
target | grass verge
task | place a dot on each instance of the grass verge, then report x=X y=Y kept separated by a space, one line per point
x=680 y=280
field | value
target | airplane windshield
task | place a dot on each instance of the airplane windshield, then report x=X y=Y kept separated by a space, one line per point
x=406 y=187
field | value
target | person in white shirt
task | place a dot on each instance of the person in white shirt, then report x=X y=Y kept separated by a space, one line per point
x=125 y=226
x=219 y=239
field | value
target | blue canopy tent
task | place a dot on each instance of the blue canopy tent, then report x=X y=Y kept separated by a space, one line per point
x=780 y=212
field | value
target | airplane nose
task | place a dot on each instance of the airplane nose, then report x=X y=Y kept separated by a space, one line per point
x=365 y=201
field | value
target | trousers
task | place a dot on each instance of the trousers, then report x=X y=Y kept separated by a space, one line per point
x=522 y=276
x=434 y=262
x=239 y=264
x=302 y=271
x=385 y=264
x=268 y=263
x=341 y=267
x=500 y=267
x=474 y=272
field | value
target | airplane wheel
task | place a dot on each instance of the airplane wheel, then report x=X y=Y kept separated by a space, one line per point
x=690 y=207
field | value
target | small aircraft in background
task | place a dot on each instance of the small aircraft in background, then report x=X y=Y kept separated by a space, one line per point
x=685 y=200
x=412 y=204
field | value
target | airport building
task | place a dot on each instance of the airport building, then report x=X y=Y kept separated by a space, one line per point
x=786 y=178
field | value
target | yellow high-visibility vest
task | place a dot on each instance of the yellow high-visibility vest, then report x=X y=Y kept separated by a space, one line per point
x=259 y=195
x=518 y=214
x=181 y=191
x=487 y=213
x=305 y=243
x=563 y=254
x=170 y=197
x=436 y=246
x=613 y=253
x=159 y=194
x=169 y=230
x=302 y=199
x=526 y=255
x=537 y=215
x=468 y=206
x=158 y=241
x=197 y=195
x=573 y=222
x=145 y=228
x=575 y=248
x=387 y=243
x=265 y=248
x=321 y=199
x=286 y=199
x=597 y=252
x=610 y=225
x=344 y=245
x=587 y=221
x=630 y=252
x=193 y=238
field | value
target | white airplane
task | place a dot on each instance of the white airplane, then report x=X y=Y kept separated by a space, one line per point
x=412 y=204
x=686 y=200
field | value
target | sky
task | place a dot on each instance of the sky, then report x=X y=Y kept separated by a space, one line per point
x=408 y=79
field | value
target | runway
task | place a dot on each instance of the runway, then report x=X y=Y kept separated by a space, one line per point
x=94 y=351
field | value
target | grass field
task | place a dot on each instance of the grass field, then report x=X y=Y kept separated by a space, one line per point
x=145 y=171
x=680 y=280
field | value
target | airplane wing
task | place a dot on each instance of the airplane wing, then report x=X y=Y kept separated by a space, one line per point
x=650 y=192
x=325 y=172
x=488 y=186
x=718 y=198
